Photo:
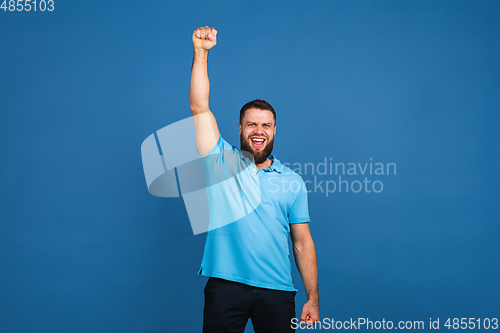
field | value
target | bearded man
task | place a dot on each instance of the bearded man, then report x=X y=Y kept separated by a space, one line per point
x=247 y=260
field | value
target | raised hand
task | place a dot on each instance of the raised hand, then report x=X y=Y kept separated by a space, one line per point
x=204 y=38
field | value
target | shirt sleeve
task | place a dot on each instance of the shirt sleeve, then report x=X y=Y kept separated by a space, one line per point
x=216 y=149
x=299 y=212
x=213 y=163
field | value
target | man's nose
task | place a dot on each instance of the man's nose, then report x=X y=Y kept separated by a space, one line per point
x=259 y=129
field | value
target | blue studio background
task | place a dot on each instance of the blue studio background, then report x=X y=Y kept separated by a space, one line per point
x=85 y=248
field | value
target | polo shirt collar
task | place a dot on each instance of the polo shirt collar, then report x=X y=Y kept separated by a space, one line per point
x=276 y=165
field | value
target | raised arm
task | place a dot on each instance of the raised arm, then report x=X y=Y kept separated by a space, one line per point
x=207 y=132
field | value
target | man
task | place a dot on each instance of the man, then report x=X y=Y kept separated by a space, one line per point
x=247 y=260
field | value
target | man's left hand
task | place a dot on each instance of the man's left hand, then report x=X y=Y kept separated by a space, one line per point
x=310 y=313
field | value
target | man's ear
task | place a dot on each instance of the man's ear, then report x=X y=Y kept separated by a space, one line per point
x=239 y=129
x=274 y=129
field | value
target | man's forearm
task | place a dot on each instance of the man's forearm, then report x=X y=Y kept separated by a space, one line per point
x=200 y=85
x=307 y=264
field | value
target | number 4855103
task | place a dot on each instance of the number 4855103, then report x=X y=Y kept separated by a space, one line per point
x=471 y=323
x=27 y=5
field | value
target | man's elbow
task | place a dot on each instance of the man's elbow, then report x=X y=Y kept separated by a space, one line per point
x=198 y=109
x=299 y=247
x=305 y=245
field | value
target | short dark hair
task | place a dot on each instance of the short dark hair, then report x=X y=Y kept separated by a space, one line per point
x=257 y=104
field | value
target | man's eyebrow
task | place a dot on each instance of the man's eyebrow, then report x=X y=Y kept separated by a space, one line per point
x=254 y=122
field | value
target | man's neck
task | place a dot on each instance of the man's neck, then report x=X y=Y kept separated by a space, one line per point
x=264 y=165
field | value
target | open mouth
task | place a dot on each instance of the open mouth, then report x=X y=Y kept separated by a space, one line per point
x=257 y=142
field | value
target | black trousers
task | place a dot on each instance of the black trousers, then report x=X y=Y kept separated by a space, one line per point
x=229 y=305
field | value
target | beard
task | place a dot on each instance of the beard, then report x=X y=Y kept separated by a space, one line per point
x=260 y=156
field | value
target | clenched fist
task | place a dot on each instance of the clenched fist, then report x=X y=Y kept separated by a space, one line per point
x=204 y=38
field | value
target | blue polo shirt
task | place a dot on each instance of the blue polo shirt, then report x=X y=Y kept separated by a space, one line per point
x=252 y=249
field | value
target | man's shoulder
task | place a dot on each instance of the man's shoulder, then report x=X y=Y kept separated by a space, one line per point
x=226 y=145
x=289 y=172
x=220 y=147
